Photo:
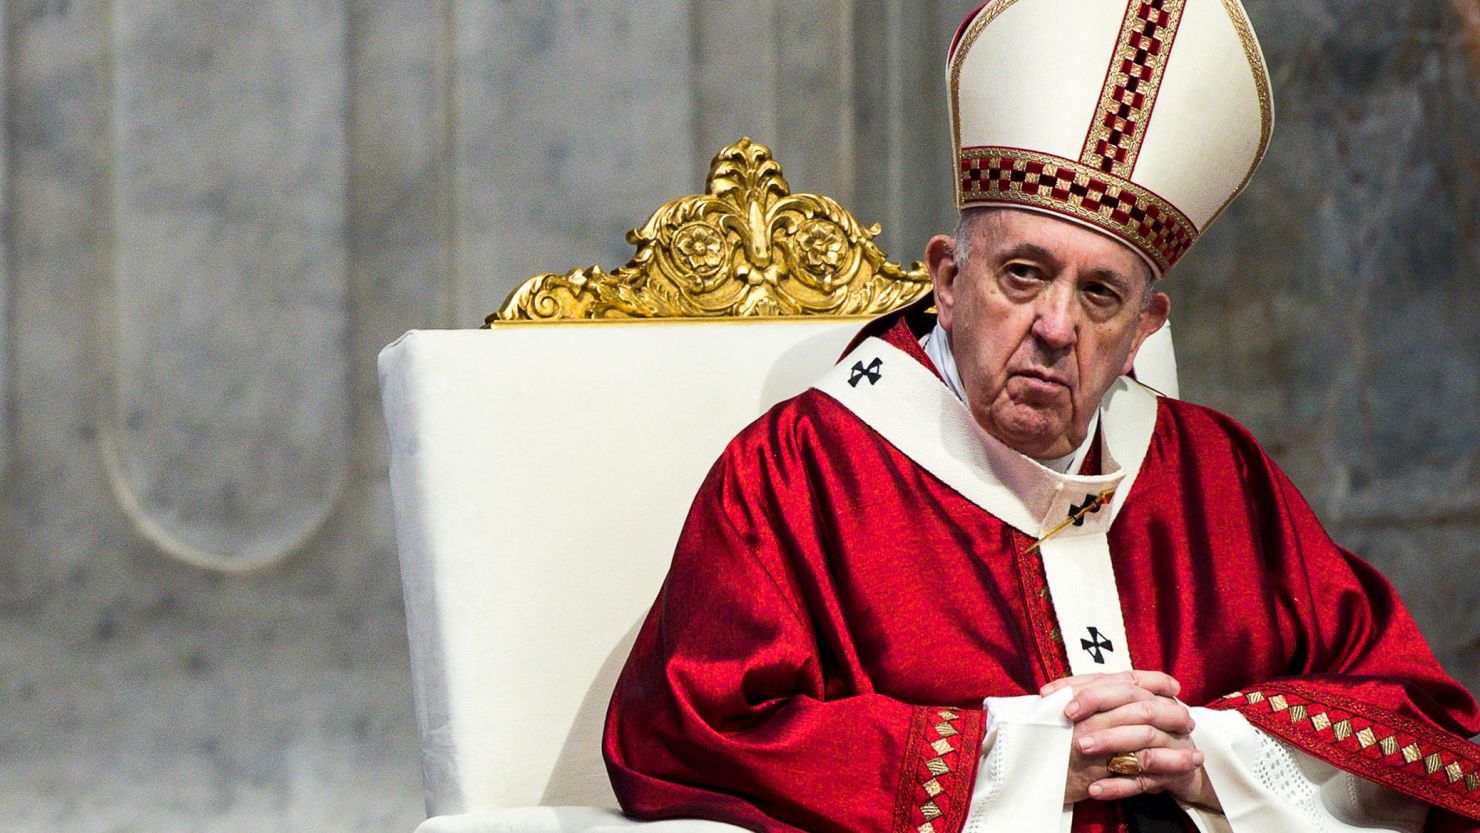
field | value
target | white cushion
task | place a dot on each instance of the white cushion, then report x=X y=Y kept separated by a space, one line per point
x=540 y=475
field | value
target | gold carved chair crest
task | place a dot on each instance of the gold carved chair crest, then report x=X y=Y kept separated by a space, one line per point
x=747 y=247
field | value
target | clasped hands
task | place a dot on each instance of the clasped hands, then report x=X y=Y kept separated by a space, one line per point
x=1133 y=711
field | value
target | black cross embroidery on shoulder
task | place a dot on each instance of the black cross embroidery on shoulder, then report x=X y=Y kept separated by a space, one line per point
x=1097 y=645
x=871 y=372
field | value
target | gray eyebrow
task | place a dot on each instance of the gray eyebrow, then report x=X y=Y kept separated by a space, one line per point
x=1125 y=282
x=1032 y=250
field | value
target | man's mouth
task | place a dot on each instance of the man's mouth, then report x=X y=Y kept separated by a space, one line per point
x=1042 y=377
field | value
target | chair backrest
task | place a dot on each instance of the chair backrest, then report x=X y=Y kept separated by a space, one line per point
x=540 y=477
x=541 y=470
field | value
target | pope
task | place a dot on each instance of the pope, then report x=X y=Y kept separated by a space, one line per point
x=979 y=578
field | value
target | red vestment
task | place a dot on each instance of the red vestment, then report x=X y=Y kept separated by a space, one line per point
x=835 y=615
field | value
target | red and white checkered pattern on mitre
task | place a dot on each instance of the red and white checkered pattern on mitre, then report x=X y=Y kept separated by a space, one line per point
x=1052 y=105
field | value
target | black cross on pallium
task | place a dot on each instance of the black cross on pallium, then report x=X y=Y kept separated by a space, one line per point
x=871 y=372
x=1092 y=504
x=1097 y=645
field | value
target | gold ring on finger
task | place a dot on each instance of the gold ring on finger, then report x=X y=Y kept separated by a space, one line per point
x=1125 y=764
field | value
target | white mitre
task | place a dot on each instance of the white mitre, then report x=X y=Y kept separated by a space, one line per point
x=1139 y=119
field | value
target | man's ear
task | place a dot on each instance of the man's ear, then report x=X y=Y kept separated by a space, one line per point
x=940 y=262
x=1151 y=319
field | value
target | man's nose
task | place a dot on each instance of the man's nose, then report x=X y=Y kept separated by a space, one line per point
x=1056 y=323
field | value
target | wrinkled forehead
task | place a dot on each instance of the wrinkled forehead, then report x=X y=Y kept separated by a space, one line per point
x=1004 y=228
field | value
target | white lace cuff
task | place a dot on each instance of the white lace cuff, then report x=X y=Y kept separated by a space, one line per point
x=1267 y=786
x=1025 y=761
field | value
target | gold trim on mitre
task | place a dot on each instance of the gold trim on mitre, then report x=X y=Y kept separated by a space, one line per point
x=1132 y=83
x=1155 y=228
x=748 y=247
x=1257 y=65
x=982 y=19
x=1159 y=247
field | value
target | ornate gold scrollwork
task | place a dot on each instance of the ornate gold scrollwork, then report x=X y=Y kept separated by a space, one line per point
x=746 y=247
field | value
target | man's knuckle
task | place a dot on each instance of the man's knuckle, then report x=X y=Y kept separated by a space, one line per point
x=1173 y=715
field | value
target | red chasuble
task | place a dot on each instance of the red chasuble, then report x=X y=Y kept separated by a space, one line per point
x=835 y=615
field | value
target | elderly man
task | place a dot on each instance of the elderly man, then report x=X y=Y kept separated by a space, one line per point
x=979 y=579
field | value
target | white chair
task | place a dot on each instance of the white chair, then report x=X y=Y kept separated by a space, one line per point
x=541 y=471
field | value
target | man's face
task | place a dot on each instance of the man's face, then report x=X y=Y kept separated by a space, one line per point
x=1043 y=318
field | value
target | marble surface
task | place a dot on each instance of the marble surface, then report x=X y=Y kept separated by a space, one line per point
x=144 y=694
x=215 y=217
x=228 y=308
x=569 y=114
x=1336 y=309
x=4 y=249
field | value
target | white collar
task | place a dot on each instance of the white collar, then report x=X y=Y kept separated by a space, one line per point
x=906 y=403
x=937 y=346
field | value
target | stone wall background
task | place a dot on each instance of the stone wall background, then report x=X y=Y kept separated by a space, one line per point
x=214 y=215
